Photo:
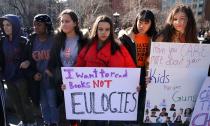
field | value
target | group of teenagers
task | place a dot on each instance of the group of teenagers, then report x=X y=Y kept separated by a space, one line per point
x=31 y=67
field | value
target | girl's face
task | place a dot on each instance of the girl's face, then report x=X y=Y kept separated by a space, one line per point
x=39 y=27
x=143 y=26
x=180 y=21
x=67 y=24
x=7 y=26
x=103 y=31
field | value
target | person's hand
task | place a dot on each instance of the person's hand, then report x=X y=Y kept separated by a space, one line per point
x=25 y=64
x=48 y=73
x=37 y=76
x=118 y=41
x=63 y=87
x=138 y=88
x=147 y=80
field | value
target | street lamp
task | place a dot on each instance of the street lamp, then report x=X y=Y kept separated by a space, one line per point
x=116 y=23
x=116 y=14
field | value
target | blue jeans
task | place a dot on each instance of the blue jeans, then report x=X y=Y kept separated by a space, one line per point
x=50 y=111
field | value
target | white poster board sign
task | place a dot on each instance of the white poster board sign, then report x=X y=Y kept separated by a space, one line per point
x=101 y=93
x=201 y=113
x=177 y=71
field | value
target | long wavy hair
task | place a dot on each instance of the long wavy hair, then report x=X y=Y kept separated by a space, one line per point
x=190 y=32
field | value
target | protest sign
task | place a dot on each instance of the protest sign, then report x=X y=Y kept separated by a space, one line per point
x=201 y=113
x=101 y=93
x=177 y=71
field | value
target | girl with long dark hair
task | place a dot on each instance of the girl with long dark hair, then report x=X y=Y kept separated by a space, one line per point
x=137 y=41
x=68 y=42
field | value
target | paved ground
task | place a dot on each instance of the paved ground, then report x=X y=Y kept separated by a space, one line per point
x=11 y=117
x=13 y=121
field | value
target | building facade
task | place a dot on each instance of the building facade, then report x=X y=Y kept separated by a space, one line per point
x=207 y=10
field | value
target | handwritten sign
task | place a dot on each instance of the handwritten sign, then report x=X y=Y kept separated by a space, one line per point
x=201 y=113
x=177 y=71
x=101 y=93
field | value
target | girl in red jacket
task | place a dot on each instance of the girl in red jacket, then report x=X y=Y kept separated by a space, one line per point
x=104 y=50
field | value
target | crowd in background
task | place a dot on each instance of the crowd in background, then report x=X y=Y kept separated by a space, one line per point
x=30 y=59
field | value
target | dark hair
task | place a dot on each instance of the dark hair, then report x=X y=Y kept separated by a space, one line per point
x=189 y=110
x=60 y=35
x=178 y=118
x=190 y=30
x=46 y=20
x=146 y=15
x=94 y=36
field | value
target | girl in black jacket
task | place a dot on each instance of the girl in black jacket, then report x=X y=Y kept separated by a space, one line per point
x=68 y=42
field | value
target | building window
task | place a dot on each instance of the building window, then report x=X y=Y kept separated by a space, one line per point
x=200 y=5
x=199 y=13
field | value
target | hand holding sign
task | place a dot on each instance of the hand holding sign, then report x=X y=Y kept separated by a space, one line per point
x=63 y=87
x=101 y=93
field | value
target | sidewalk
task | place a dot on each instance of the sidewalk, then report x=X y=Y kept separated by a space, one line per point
x=13 y=121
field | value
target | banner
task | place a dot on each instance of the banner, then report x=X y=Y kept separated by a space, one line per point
x=177 y=71
x=101 y=93
x=201 y=113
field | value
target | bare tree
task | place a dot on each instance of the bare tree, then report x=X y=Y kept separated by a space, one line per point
x=89 y=9
x=133 y=7
x=27 y=9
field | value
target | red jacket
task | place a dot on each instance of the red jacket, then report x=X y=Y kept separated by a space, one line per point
x=103 y=58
